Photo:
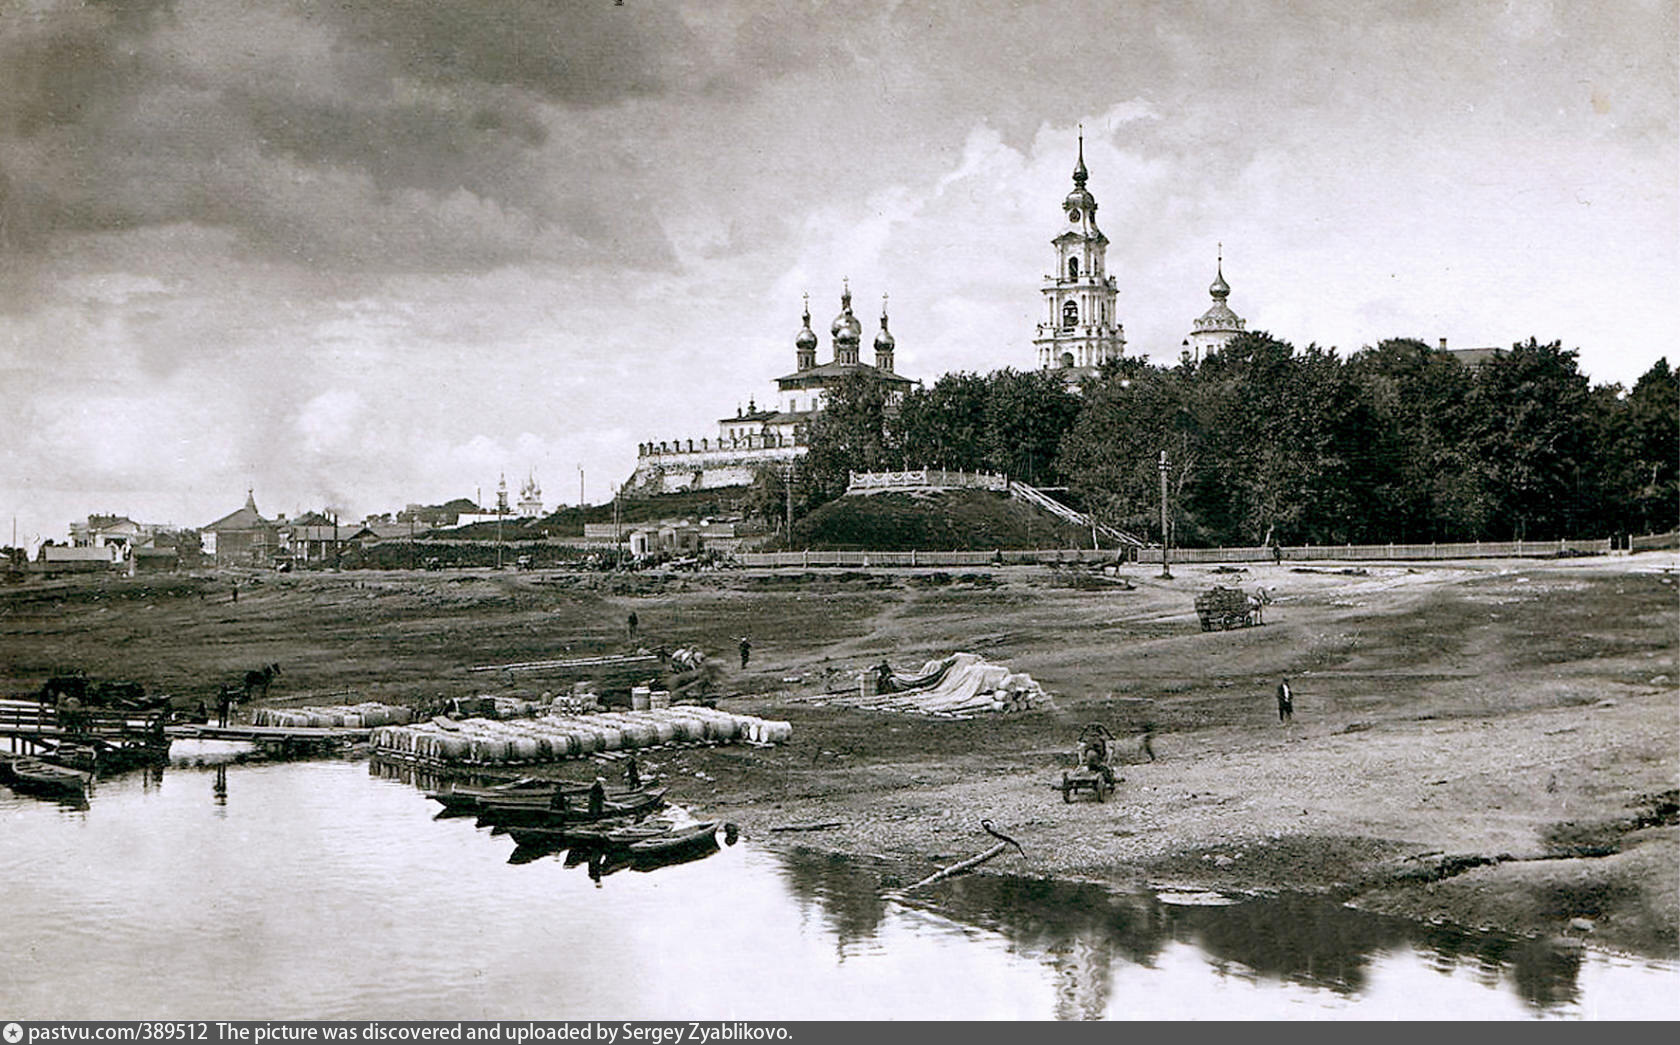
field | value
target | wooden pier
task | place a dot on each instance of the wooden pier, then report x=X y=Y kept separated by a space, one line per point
x=120 y=736
x=31 y=727
x=288 y=739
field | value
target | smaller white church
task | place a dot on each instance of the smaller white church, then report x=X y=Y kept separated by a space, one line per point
x=1215 y=328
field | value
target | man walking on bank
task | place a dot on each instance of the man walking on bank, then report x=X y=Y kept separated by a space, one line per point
x=1286 y=702
x=746 y=651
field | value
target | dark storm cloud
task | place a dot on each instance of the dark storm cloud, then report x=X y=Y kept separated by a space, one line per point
x=387 y=135
x=578 y=52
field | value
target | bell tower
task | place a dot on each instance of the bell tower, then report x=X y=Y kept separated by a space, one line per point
x=1081 y=329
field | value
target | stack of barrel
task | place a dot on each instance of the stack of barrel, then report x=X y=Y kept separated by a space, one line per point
x=340 y=716
x=553 y=737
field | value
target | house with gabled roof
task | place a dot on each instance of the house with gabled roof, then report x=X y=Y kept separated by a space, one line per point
x=242 y=537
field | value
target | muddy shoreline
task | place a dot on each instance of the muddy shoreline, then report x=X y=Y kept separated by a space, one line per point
x=1492 y=744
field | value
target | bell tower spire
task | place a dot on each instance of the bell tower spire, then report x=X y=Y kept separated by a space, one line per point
x=1082 y=328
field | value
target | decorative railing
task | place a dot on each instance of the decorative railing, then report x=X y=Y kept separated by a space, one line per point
x=924 y=479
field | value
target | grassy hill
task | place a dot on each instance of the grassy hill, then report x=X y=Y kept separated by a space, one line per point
x=953 y=520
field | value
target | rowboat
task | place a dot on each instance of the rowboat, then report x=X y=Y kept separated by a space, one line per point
x=587 y=837
x=520 y=813
x=33 y=776
x=463 y=799
x=679 y=841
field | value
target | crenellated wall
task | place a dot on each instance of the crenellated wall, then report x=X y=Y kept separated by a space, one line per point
x=701 y=464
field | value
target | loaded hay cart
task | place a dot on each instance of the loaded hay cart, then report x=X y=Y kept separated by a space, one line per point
x=1223 y=608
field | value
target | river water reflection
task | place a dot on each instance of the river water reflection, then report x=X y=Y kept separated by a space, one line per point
x=319 y=889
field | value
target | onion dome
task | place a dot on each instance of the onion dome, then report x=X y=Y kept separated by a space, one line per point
x=1080 y=202
x=884 y=341
x=1219 y=319
x=846 y=327
x=1220 y=289
x=806 y=338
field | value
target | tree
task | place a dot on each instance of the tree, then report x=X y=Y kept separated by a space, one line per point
x=1426 y=483
x=1026 y=417
x=944 y=426
x=1111 y=452
x=1531 y=439
x=850 y=434
x=1642 y=444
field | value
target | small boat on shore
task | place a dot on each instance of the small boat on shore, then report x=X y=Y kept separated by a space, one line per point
x=527 y=814
x=33 y=776
x=588 y=837
x=695 y=838
x=462 y=800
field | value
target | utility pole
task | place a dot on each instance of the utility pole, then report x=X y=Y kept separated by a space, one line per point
x=1166 y=540
x=617 y=539
x=790 y=505
x=501 y=510
x=580 y=487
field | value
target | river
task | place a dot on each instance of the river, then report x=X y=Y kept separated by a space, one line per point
x=327 y=889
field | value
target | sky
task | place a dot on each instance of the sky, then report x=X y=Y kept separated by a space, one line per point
x=352 y=254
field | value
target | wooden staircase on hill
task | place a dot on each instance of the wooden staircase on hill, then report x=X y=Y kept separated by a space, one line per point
x=1039 y=499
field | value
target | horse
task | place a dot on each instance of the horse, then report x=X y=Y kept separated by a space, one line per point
x=1258 y=600
x=256 y=682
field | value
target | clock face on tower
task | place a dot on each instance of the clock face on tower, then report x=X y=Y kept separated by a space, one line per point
x=1073 y=214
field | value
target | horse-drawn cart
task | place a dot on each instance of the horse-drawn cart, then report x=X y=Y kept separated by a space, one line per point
x=1093 y=773
x=1223 y=608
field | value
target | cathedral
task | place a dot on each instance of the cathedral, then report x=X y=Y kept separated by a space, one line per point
x=775 y=434
x=1079 y=332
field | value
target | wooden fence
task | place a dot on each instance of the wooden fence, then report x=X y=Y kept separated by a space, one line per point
x=1303 y=553
x=1371 y=552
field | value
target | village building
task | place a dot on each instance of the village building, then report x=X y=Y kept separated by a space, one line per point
x=102 y=531
x=1474 y=358
x=241 y=537
x=438 y=516
x=311 y=538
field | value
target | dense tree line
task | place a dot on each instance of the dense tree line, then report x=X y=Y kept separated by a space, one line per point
x=1399 y=442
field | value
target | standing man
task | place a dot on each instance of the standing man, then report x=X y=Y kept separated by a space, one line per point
x=631 y=623
x=1286 y=702
x=224 y=703
x=746 y=650
x=1149 y=740
x=597 y=797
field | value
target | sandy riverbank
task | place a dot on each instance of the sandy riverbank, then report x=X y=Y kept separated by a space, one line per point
x=1489 y=743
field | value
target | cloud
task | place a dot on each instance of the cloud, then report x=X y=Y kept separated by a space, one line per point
x=328 y=141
